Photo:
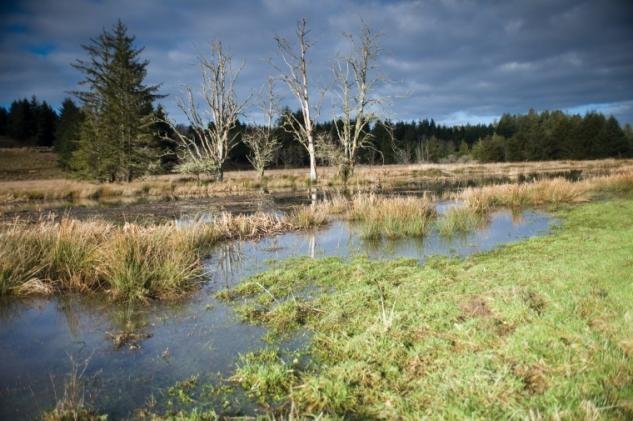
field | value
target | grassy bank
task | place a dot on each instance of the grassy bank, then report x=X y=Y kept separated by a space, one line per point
x=129 y=262
x=539 y=329
x=398 y=217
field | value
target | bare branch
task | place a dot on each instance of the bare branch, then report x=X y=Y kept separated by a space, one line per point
x=261 y=140
x=212 y=140
x=355 y=91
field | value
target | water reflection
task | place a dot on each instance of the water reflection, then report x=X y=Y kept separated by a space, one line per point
x=343 y=240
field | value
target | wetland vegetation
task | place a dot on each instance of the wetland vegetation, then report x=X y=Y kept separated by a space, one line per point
x=535 y=327
x=364 y=268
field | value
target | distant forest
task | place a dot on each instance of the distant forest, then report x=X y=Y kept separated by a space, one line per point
x=535 y=136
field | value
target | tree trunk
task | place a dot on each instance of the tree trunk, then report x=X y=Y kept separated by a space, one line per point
x=311 y=153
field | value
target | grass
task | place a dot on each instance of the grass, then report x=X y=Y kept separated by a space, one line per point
x=390 y=217
x=539 y=329
x=158 y=261
x=128 y=262
x=306 y=217
x=459 y=221
x=72 y=406
x=545 y=192
x=28 y=164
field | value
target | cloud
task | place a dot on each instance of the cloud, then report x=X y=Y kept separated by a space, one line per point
x=455 y=61
x=515 y=66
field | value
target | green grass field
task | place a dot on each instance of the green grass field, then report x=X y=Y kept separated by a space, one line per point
x=539 y=329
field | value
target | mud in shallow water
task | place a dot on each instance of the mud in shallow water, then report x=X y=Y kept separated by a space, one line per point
x=135 y=353
x=146 y=210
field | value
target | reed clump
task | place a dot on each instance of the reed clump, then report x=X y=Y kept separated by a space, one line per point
x=391 y=217
x=616 y=183
x=459 y=221
x=543 y=192
x=310 y=216
x=129 y=262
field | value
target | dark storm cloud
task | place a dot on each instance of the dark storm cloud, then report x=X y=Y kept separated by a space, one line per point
x=456 y=61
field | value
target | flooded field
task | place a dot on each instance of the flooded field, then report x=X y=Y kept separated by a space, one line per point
x=133 y=354
x=145 y=210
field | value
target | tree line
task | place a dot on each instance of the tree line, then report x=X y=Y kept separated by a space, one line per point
x=29 y=122
x=116 y=133
x=555 y=135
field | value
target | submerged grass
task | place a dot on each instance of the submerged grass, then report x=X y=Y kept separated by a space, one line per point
x=72 y=406
x=539 y=329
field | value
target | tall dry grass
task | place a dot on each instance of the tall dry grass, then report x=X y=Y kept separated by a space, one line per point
x=460 y=221
x=138 y=262
x=391 y=217
x=544 y=192
x=129 y=262
x=236 y=182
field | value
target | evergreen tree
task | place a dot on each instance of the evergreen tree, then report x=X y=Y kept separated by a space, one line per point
x=589 y=143
x=628 y=133
x=164 y=133
x=68 y=131
x=45 y=124
x=117 y=129
x=490 y=149
x=464 y=150
x=4 y=121
x=21 y=127
x=615 y=141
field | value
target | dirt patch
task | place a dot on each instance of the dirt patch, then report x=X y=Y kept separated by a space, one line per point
x=503 y=328
x=533 y=376
x=534 y=301
x=475 y=307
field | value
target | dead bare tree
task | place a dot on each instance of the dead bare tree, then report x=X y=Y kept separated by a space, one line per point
x=355 y=87
x=206 y=149
x=295 y=76
x=261 y=140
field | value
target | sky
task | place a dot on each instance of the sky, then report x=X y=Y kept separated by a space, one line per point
x=455 y=61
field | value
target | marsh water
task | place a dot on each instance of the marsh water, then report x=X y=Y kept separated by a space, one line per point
x=200 y=336
x=158 y=210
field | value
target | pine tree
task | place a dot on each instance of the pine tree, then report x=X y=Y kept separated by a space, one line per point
x=67 y=132
x=21 y=127
x=45 y=124
x=163 y=133
x=116 y=142
x=4 y=121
